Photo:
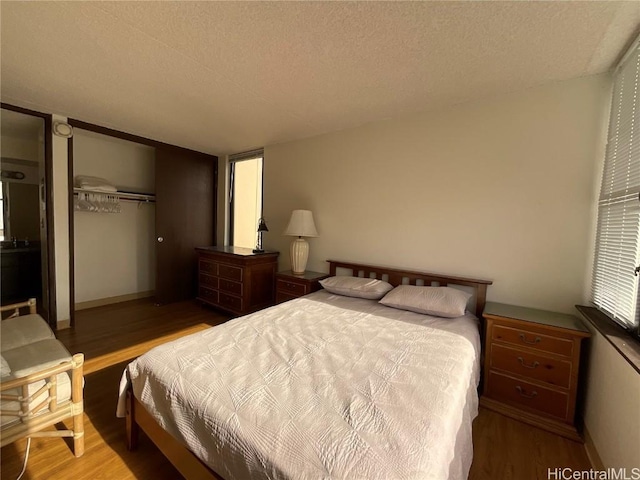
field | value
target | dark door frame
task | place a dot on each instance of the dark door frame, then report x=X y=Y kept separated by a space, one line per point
x=110 y=132
x=48 y=187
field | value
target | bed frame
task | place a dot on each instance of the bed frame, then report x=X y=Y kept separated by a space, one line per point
x=190 y=466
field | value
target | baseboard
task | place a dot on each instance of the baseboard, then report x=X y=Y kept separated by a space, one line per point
x=110 y=300
x=592 y=453
x=62 y=324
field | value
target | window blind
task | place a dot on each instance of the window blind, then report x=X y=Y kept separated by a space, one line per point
x=615 y=284
x=236 y=157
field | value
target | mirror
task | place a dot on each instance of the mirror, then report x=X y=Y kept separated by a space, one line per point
x=22 y=212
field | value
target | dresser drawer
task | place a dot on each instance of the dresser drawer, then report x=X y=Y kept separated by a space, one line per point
x=231 y=287
x=524 y=394
x=207 y=294
x=230 y=272
x=208 y=281
x=522 y=337
x=531 y=365
x=230 y=301
x=207 y=266
x=291 y=287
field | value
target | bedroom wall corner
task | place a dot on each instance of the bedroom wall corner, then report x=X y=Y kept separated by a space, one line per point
x=613 y=426
x=500 y=188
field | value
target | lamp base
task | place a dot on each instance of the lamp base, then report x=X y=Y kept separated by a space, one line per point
x=255 y=250
x=299 y=253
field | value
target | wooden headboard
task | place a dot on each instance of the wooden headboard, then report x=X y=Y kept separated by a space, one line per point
x=397 y=277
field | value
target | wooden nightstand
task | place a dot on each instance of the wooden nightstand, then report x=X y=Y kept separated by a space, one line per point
x=531 y=366
x=290 y=286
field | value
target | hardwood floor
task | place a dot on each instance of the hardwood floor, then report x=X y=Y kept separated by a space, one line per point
x=111 y=336
x=507 y=449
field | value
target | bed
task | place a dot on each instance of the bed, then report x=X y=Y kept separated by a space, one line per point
x=324 y=386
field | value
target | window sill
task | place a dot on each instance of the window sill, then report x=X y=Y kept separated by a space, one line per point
x=617 y=336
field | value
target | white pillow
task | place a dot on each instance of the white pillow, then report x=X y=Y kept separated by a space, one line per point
x=94 y=183
x=438 y=301
x=356 y=287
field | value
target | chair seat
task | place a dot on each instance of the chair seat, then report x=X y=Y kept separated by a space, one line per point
x=35 y=357
x=18 y=331
x=30 y=359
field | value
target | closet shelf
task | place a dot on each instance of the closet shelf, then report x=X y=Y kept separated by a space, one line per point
x=135 y=197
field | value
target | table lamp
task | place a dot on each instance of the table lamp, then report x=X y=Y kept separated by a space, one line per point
x=262 y=227
x=300 y=225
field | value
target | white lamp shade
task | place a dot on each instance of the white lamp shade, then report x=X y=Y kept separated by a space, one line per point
x=301 y=224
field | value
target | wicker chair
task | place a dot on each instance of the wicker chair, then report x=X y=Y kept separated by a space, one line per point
x=41 y=382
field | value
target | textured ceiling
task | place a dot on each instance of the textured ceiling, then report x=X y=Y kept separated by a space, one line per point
x=223 y=77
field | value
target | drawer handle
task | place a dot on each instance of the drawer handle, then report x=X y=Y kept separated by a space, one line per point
x=535 y=340
x=526 y=395
x=533 y=365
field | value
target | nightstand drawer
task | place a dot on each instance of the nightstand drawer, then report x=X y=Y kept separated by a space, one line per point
x=231 y=287
x=291 y=287
x=531 y=365
x=284 y=297
x=208 y=281
x=545 y=400
x=524 y=338
x=230 y=301
x=207 y=294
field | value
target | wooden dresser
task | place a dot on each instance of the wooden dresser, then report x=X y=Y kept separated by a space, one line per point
x=290 y=286
x=235 y=279
x=532 y=365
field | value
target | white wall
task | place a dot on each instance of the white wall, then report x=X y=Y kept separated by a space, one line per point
x=498 y=189
x=612 y=405
x=22 y=148
x=114 y=252
x=60 y=184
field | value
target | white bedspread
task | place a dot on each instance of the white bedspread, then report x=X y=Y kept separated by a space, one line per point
x=323 y=386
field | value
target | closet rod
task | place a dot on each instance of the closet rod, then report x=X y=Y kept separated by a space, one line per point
x=136 y=197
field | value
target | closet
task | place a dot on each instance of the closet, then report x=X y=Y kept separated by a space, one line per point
x=139 y=241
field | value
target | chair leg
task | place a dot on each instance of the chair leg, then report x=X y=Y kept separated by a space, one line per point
x=78 y=401
x=78 y=435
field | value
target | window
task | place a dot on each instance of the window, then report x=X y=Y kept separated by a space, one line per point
x=245 y=197
x=615 y=280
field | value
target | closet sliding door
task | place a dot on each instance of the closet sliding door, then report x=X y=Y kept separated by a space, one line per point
x=186 y=184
